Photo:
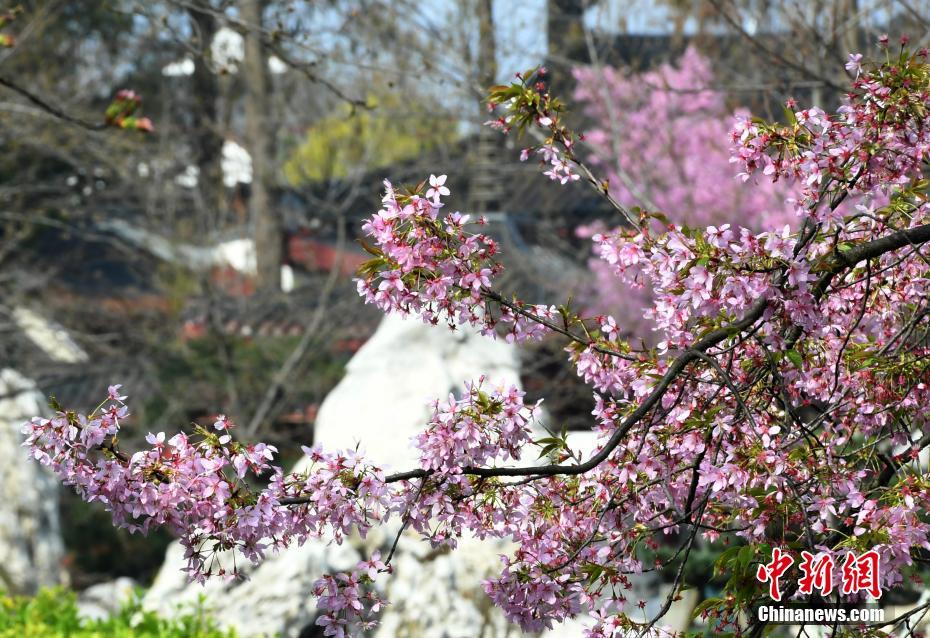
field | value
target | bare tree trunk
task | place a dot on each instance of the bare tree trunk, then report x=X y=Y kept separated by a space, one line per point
x=262 y=213
x=485 y=192
x=208 y=143
x=565 y=35
x=487 y=46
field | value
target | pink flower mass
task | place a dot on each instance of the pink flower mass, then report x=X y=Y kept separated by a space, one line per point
x=784 y=405
x=662 y=139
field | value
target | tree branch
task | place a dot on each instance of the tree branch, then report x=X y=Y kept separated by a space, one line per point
x=50 y=109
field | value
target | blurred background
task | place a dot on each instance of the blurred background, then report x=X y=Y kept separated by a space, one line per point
x=207 y=266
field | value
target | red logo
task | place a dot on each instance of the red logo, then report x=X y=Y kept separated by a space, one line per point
x=860 y=573
x=818 y=573
x=772 y=571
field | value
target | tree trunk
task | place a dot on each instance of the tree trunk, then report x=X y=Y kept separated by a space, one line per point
x=485 y=193
x=208 y=143
x=262 y=212
x=565 y=35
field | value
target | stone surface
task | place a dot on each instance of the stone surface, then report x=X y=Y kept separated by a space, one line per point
x=31 y=549
x=49 y=336
x=383 y=400
x=105 y=599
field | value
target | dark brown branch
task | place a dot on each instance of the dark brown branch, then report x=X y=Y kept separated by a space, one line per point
x=51 y=109
x=495 y=296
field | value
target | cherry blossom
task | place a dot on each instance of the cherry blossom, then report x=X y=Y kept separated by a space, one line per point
x=854 y=64
x=783 y=405
x=437 y=188
x=666 y=149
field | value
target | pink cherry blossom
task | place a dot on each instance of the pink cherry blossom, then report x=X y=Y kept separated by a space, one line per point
x=784 y=405
x=854 y=64
x=437 y=188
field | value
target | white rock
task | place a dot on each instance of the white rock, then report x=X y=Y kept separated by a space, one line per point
x=227 y=50
x=31 y=549
x=276 y=65
x=189 y=178
x=181 y=68
x=440 y=593
x=384 y=398
x=236 y=164
x=105 y=599
x=49 y=336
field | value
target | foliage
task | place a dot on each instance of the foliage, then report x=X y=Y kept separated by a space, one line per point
x=352 y=139
x=6 y=40
x=122 y=112
x=197 y=370
x=96 y=549
x=53 y=613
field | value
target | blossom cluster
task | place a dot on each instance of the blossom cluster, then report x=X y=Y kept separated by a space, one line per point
x=876 y=142
x=203 y=488
x=203 y=492
x=123 y=112
x=526 y=103
x=811 y=366
x=692 y=275
x=666 y=149
x=436 y=268
x=487 y=426
x=481 y=427
x=7 y=40
x=343 y=493
x=426 y=265
x=347 y=601
x=196 y=490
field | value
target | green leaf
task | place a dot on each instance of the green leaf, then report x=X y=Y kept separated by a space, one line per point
x=706 y=604
x=745 y=556
x=593 y=571
x=795 y=357
x=368 y=248
x=725 y=558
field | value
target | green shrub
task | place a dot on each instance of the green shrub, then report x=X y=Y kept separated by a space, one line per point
x=53 y=613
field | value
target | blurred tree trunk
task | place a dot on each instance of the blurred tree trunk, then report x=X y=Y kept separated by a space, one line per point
x=485 y=192
x=565 y=35
x=262 y=213
x=208 y=143
x=487 y=47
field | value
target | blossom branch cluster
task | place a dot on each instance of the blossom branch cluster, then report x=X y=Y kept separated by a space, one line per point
x=475 y=430
x=203 y=488
x=437 y=268
x=876 y=142
x=347 y=599
x=783 y=405
x=528 y=103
